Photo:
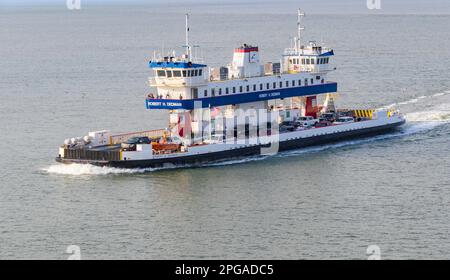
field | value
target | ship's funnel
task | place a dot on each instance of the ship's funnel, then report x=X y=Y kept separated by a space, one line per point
x=245 y=62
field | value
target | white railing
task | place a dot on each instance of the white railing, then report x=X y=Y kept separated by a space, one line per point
x=176 y=82
x=120 y=138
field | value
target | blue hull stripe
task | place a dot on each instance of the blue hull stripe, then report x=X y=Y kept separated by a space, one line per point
x=188 y=104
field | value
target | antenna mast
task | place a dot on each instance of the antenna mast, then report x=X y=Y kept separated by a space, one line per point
x=300 y=28
x=188 y=47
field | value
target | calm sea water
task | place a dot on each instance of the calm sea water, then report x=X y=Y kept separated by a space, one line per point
x=64 y=73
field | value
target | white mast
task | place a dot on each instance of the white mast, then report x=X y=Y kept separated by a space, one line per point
x=300 y=28
x=188 y=47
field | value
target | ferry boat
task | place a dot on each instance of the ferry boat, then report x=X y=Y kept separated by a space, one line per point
x=242 y=109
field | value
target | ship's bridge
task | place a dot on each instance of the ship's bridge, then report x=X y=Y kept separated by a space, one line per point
x=176 y=79
x=187 y=85
x=177 y=73
x=311 y=58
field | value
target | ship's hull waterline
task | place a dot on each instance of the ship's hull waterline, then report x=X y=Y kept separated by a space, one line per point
x=192 y=160
x=197 y=96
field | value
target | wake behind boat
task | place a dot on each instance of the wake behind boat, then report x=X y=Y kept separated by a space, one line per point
x=245 y=108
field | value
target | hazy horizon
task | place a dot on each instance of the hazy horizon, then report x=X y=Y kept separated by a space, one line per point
x=283 y=6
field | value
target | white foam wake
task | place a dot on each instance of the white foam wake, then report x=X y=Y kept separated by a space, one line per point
x=438 y=108
x=428 y=116
x=417 y=99
x=409 y=130
x=88 y=169
x=417 y=122
x=437 y=113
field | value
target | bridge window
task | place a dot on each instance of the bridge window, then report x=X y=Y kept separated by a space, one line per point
x=308 y=61
x=200 y=72
x=189 y=72
x=161 y=73
x=177 y=73
x=169 y=73
x=195 y=72
x=313 y=60
x=303 y=61
x=184 y=73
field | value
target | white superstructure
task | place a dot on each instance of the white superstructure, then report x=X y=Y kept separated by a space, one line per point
x=243 y=108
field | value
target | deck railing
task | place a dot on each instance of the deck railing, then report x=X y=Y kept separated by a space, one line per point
x=120 y=138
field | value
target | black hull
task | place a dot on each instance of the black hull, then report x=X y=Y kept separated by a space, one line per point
x=242 y=152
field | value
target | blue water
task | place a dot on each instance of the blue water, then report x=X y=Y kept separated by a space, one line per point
x=64 y=73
